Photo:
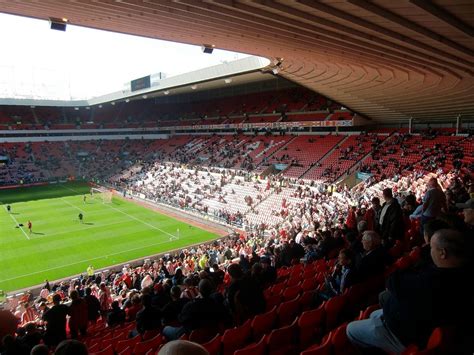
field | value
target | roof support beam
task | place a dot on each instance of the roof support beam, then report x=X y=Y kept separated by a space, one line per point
x=444 y=16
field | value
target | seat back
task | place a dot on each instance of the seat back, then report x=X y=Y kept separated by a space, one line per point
x=235 y=338
x=262 y=324
x=310 y=325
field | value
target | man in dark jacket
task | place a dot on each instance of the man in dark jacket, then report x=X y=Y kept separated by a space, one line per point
x=391 y=220
x=93 y=306
x=417 y=303
x=373 y=260
x=56 y=322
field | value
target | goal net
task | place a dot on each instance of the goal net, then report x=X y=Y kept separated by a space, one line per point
x=102 y=194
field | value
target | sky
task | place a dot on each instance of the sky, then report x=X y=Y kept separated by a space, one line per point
x=39 y=63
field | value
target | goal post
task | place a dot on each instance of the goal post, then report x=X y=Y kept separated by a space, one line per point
x=101 y=193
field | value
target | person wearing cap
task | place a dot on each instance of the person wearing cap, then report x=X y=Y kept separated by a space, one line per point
x=468 y=210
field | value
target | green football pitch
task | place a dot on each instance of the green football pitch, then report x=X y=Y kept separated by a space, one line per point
x=60 y=245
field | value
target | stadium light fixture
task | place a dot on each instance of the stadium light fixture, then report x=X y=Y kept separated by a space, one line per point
x=228 y=80
x=88 y=108
x=58 y=24
x=208 y=48
x=76 y=108
x=194 y=87
x=144 y=96
x=113 y=103
x=127 y=100
x=100 y=106
x=166 y=92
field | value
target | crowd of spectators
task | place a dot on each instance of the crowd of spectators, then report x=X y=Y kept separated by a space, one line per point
x=222 y=283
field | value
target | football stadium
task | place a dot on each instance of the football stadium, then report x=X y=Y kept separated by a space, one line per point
x=236 y=177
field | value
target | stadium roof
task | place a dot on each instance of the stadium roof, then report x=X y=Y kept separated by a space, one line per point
x=388 y=60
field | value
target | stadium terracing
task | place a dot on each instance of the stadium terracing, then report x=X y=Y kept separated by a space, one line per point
x=370 y=95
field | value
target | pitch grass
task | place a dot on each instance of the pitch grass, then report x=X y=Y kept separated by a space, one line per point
x=61 y=246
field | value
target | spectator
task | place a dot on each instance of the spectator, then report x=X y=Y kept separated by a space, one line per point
x=93 y=306
x=40 y=349
x=468 y=210
x=391 y=220
x=172 y=309
x=374 y=258
x=419 y=302
x=343 y=276
x=148 y=318
x=434 y=202
x=182 y=347
x=78 y=315
x=372 y=216
x=201 y=312
x=71 y=347
x=116 y=315
x=55 y=322
x=244 y=296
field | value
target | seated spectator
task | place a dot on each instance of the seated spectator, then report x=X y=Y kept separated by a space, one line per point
x=32 y=337
x=419 y=302
x=69 y=347
x=134 y=308
x=201 y=312
x=374 y=258
x=190 y=292
x=40 y=349
x=425 y=256
x=148 y=318
x=244 y=296
x=182 y=347
x=116 y=315
x=172 y=309
x=343 y=276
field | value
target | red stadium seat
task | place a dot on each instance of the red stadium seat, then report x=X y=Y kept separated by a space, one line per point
x=365 y=314
x=340 y=342
x=259 y=348
x=127 y=343
x=325 y=348
x=287 y=311
x=291 y=292
x=236 y=338
x=311 y=324
x=307 y=300
x=109 y=350
x=214 y=346
x=334 y=308
x=263 y=323
x=203 y=335
x=143 y=347
x=282 y=341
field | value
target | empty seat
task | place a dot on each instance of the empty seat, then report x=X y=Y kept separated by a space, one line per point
x=235 y=338
x=263 y=323
x=259 y=348
x=311 y=324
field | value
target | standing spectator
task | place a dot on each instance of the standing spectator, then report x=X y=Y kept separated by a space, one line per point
x=372 y=215
x=434 y=202
x=78 y=315
x=93 y=306
x=391 y=219
x=105 y=300
x=56 y=322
